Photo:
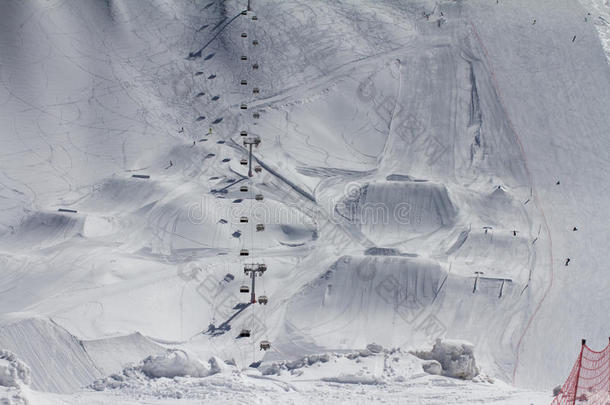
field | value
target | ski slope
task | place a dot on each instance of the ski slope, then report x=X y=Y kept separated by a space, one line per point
x=423 y=165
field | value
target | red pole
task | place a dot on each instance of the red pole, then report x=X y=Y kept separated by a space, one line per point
x=582 y=348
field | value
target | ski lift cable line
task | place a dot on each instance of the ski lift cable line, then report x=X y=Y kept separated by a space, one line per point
x=266 y=167
x=221 y=30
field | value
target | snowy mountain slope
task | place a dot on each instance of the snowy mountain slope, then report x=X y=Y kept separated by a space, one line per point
x=550 y=120
x=401 y=154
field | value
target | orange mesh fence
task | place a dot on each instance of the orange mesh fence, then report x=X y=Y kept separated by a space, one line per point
x=589 y=380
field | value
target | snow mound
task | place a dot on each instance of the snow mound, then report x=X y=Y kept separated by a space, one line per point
x=390 y=212
x=305 y=361
x=456 y=357
x=432 y=367
x=14 y=379
x=41 y=230
x=13 y=372
x=177 y=363
x=117 y=194
x=173 y=364
x=363 y=287
x=371 y=366
x=374 y=348
x=58 y=361
x=354 y=379
x=111 y=355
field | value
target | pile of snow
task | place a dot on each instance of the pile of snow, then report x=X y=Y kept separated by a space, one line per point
x=451 y=358
x=171 y=364
x=111 y=355
x=13 y=372
x=371 y=366
x=14 y=379
x=376 y=373
x=277 y=367
x=177 y=363
x=432 y=367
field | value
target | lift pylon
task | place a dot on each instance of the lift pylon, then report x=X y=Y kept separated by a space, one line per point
x=249 y=142
x=253 y=270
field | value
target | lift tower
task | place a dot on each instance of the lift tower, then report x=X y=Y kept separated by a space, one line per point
x=253 y=270
x=249 y=142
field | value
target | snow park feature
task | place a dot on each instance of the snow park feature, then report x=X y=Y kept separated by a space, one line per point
x=410 y=207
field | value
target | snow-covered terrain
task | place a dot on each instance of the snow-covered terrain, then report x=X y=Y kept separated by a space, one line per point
x=598 y=12
x=426 y=168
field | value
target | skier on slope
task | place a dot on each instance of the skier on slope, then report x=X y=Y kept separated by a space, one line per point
x=567 y=261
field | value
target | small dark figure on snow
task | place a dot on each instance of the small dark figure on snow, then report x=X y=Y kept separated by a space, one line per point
x=558 y=182
x=574 y=38
x=534 y=23
x=181 y=130
x=193 y=143
x=515 y=233
x=567 y=261
x=575 y=229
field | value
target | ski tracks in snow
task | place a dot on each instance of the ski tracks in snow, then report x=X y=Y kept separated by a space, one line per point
x=534 y=194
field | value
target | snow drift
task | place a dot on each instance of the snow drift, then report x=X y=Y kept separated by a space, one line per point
x=13 y=372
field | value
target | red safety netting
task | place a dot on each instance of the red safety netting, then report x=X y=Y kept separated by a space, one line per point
x=589 y=380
